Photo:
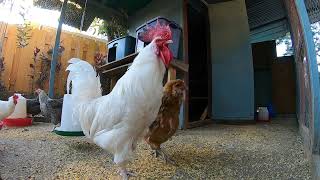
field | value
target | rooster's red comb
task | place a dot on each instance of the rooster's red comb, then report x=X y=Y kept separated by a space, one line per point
x=15 y=97
x=162 y=31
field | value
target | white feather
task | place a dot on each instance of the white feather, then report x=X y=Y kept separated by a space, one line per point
x=85 y=82
x=6 y=108
x=116 y=121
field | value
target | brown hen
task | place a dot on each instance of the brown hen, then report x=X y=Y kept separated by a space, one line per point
x=167 y=121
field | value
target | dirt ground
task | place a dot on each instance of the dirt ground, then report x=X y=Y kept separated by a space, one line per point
x=216 y=151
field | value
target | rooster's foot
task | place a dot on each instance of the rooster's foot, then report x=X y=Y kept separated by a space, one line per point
x=156 y=153
x=58 y=125
x=166 y=157
x=126 y=174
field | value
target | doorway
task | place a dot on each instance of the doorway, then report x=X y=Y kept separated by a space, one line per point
x=274 y=79
x=199 y=62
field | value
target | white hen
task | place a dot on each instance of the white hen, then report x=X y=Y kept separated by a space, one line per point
x=7 y=107
x=118 y=120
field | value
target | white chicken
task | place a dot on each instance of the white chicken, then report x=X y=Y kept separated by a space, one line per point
x=116 y=122
x=7 y=107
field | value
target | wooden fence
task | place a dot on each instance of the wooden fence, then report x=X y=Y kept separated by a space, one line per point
x=18 y=73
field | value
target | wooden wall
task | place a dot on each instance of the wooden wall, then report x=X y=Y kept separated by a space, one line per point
x=17 y=60
x=284 y=85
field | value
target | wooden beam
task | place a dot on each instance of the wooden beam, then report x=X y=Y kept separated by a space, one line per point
x=209 y=63
x=116 y=70
x=180 y=65
x=126 y=60
x=172 y=73
x=113 y=83
x=199 y=123
x=204 y=114
x=186 y=60
x=129 y=59
x=216 y=1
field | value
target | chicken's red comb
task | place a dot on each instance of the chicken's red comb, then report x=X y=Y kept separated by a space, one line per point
x=161 y=31
x=15 y=97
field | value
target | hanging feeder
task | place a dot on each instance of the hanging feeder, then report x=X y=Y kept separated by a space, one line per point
x=69 y=126
x=19 y=117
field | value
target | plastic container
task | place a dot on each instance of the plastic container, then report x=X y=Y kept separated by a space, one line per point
x=18 y=122
x=176 y=34
x=272 y=113
x=263 y=114
x=19 y=116
x=121 y=47
x=20 y=110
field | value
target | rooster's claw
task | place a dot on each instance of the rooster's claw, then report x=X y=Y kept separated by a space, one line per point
x=126 y=174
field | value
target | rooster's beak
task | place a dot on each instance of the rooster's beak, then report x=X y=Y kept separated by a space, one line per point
x=169 y=41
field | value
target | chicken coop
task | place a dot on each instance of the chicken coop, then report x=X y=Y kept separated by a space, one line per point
x=226 y=56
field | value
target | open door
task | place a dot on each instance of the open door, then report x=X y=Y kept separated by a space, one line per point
x=199 y=75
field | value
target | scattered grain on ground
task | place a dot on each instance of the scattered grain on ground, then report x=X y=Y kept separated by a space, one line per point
x=261 y=151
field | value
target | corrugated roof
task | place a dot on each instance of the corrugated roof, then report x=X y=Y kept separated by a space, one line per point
x=269 y=32
x=262 y=12
x=268 y=18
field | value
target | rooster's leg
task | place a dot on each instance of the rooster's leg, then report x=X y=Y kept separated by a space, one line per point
x=165 y=157
x=124 y=173
x=157 y=153
x=55 y=126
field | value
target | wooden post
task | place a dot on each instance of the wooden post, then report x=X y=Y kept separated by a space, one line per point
x=172 y=73
x=313 y=75
x=186 y=61
x=113 y=83
x=56 y=50
x=204 y=114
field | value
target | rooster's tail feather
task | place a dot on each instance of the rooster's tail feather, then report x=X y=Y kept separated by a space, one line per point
x=85 y=82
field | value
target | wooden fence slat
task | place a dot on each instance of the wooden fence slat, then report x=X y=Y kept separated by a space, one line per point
x=17 y=61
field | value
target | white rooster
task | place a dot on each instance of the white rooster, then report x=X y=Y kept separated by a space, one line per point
x=116 y=122
x=7 y=107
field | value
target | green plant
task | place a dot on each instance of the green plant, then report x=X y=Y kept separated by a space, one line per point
x=286 y=40
x=46 y=65
x=23 y=34
x=23 y=30
x=99 y=59
x=2 y=87
x=114 y=28
x=32 y=65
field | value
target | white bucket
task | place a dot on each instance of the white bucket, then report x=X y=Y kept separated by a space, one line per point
x=67 y=123
x=263 y=114
x=20 y=110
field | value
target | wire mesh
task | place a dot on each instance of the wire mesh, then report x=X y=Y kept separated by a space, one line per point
x=313 y=9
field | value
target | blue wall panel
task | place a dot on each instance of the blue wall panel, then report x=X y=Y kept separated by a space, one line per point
x=232 y=68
